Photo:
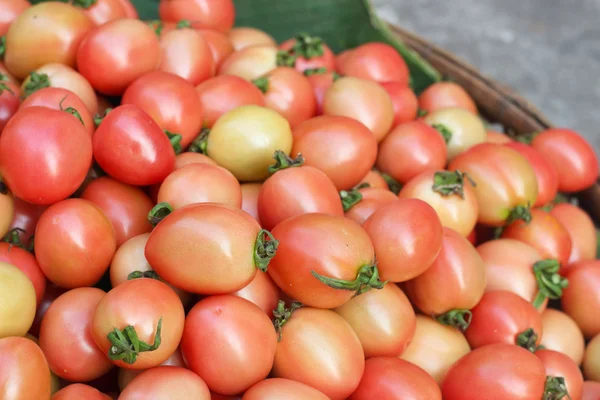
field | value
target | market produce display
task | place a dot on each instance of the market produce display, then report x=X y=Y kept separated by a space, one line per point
x=192 y=210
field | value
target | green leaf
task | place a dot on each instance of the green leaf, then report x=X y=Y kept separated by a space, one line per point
x=342 y=24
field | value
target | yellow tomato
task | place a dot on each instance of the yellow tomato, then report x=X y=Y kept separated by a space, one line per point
x=17 y=301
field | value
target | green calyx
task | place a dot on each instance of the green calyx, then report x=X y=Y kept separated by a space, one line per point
x=448 y=183
x=528 y=340
x=175 y=140
x=145 y=274
x=444 y=131
x=265 y=249
x=126 y=345
x=157 y=25
x=36 y=82
x=200 y=143
x=262 y=84
x=314 y=71
x=336 y=76
x=2 y=46
x=184 y=23
x=98 y=118
x=520 y=212
x=13 y=238
x=457 y=318
x=350 y=198
x=4 y=87
x=307 y=46
x=366 y=279
x=285 y=59
x=526 y=138
x=70 y=110
x=84 y=3
x=159 y=212
x=282 y=314
x=394 y=186
x=550 y=283
x=555 y=389
x=283 y=161
x=421 y=113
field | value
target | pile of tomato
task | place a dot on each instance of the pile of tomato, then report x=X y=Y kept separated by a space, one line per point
x=194 y=211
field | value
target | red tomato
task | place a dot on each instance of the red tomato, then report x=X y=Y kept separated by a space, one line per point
x=165 y=383
x=320 y=82
x=460 y=271
x=9 y=11
x=156 y=320
x=375 y=61
x=344 y=149
x=126 y=207
x=504 y=317
x=547 y=176
x=9 y=100
x=214 y=14
x=24 y=371
x=372 y=199
x=262 y=291
x=323 y=260
x=562 y=334
x=582 y=296
x=130 y=147
x=300 y=356
x=407 y=236
x=393 y=378
x=404 y=100
x=375 y=180
x=558 y=365
x=9 y=77
x=51 y=293
x=276 y=388
x=498 y=372
x=127 y=375
x=383 y=320
x=25 y=219
x=115 y=54
x=310 y=52
x=78 y=391
x=187 y=54
x=497 y=137
x=66 y=339
x=506 y=182
x=250 y=193
x=224 y=93
x=446 y=95
x=130 y=11
x=219 y=44
x=200 y=183
x=74 y=243
x=219 y=252
x=103 y=11
x=289 y=93
x=54 y=155
x=27 y=263
x=410 y=149
x=243 y=37
x=188 y=157
x=590 y=390
x=581 y=230
x=210 y=328
x=543 y=232
x=573 y=157
x=251 y=62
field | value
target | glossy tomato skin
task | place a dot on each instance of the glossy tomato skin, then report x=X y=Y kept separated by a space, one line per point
x=501 y=371
x=373 y=199
x=497 y=137
x=560 y=365
x=24 y=371
x=250 y=193
x=10 y=11
x=393 y=378
x=127 y=375
x=582 y=296
x=326 y=60
x=27 y=263
x=250 y=63
x=295 y=191
x=446 y=95
x=115 y=54
x=562 y=334
x=188 y=157
x=276 y=388
x=163 y=383
x=214 y=14
x=103 y=11
x=80 y=391
x=375 y=180
x=406 y=105
x=17 y=301
x=379 y=62
x=187 y=54
x=219 y=44
x=383 y=320
x=262 y=291
x=320 y=84
x=53 y=168
x=581 y=230
x=332 y=246
x=213 y=255
x=130 y=147
x=9 y=100
x=65 y=330
x=242 y=37
x=299 y=357
x=499 y=189
x=573 y=157
x=210 y=327
x=344 y=149
x=590 y=390
x=407 y=236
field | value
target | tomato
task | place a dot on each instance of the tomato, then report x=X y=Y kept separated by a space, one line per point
x=504 y=317
x=362 y=100
x=78 y=391
x=200 y=183
x=219 y=44
x=275 y=388
x=162 y=383
x=498 y=372
x=11 y=9
x=210 y=328
x=562 y=334
x=393 y=378
x=24 y=371
x=74 y=243
x=558 y=365
x=582 y=296
x=506 y=182
x=9 y=100
x=590 y=390
x=251 y=62
x=66 y=339
x=243 y=37
x=573 y=157
x=244 y=139
x=115 y=54
x=300 y=354
x=61 y=100
x=25 y=218
x=250 y=193
x=310 y=52
x=103 y=11
x=130 y=11
x=56 y=28
x=51 y=293
x=323 y=260
x=371 y=199
x=543 y=232
x=320 y=82
x=214 y=14
x=262 y=291
x=186 y=158
x=289 y=93
x=407 y=236
x=446 y=95
x=435 y=347
x=452 y=196
x=54 y=154
x=187 y=54
x=375 y=180
x=581 y=230
x=375 y=61
x=17 y=301
x=404 y=100
x=127 y=375
x=453 y=284
x=591 y=361
x=218 y=252
x=27 y=263
x=7 y=205
x=130 y=147
x=343 y=148
x=293 y=191
x=383 y=320
x=497 y=137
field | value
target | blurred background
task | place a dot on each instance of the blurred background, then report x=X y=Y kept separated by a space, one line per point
x=547 y=50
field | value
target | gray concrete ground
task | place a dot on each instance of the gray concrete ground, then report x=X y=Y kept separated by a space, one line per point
x=548 y=50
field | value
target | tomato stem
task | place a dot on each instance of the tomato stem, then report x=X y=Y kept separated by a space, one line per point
x=36 y=82
x=282 y=314
x=314 y=71
x=555 y=388
x=98 y=118
x=84 y=3
x=145 y=274
x=520 y=212
x=200 y=143
x=70 y=110
x=366 y=279
x=448 y=183
x=307 y=46
x=458 y=318
x=550 y=282
x=444 y=131
x=4 y=87
x=527 y=340
x=157 y=25
x=350 y=198
x=265 y=248
x=363 y=185
x=421 y=113
x=262 y=83
x=159 y=212
x=526 y=138
x=13 y=238
x=283 y=161
x=184 y=23
x=175 y=139
x=394 y=186
x=285 y=59
x=2 y=46
x=127 y=346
